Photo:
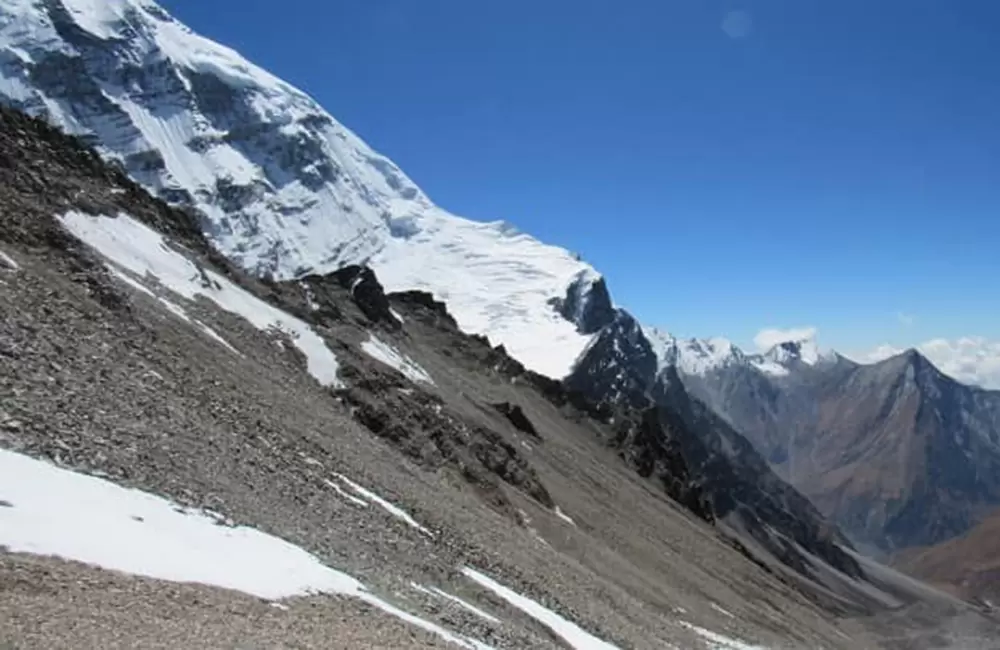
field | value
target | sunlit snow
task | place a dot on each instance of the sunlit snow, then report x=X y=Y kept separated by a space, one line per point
x=562 y=515
x=769 y=367
x=434 y=591
x=294 y=214
x=572 y=633
x=8 y=261
x=377 y=349
x=494 y=282
x=53 y=511
x=345 y=494
x=720 y=641
x=143 y=251
x=804 y=350
x=174 y=309
x=389 y=507
x=691 y=356
x=57 y=512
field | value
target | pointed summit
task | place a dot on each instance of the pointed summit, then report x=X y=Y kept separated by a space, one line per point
x=801 y=351
x=692 y=356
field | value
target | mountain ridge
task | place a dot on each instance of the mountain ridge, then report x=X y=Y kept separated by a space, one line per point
x=896 y=452
x=286 y=190
x=282 y=188
x=138 y=355
x=141 y=354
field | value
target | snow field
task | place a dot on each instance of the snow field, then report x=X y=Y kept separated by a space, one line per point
x=143 y=251
x=46 y=510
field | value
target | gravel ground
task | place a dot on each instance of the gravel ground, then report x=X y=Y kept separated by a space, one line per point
x=51 y=603
x=99 y=377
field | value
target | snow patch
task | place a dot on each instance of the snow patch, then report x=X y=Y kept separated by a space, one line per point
x=573 y=634
x=212 y=334
x=392 y=509
x=691 y=356
x=805 y=351
x=143 y=251
x=344 y=493
x=720 y=641
x=87 y=519
x=465 y=642
x=434 y=591
x=769 y=367
x=328 y=200
x=8 y=261
x=390 y=356
x=83 y=518
x=562 y=515
x=174 y=309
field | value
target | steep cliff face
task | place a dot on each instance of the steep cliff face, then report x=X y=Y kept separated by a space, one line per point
x=665 y=433
x=279 y=185
x=899 y=453
x=362 y=428
x=896 y=453
x=617 y=366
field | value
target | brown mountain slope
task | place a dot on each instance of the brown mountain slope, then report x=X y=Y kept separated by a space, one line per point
x=898 y=453
x=968 y=566
x=99 y=377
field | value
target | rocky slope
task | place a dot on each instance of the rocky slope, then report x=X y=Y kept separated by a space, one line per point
x=731 y=476
x=900 y=453
x=133 y=352
x=285 y=192
x=968 y=565
x=896 y=453
x=279 y=185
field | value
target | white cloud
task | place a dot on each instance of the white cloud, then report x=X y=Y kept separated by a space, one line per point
x=970 y=359
x=770 y=337
x=906 y=320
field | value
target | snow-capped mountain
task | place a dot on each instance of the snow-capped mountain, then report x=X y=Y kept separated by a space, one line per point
x=802 y=351
x=692 y=356
x=630 y=361
x=897 y=452
x=699 y=357
x=285 y=190
x=282 y=187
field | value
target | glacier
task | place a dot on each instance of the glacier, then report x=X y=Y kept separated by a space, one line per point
x=281 y=187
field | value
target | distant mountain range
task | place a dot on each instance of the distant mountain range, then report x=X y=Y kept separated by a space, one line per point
x=896 y=452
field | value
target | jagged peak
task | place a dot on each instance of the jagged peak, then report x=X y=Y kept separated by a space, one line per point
x=907 y=360
x=692 y=356
x=804 y=350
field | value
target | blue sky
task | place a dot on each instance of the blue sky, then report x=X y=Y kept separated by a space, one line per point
x=728 y=166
